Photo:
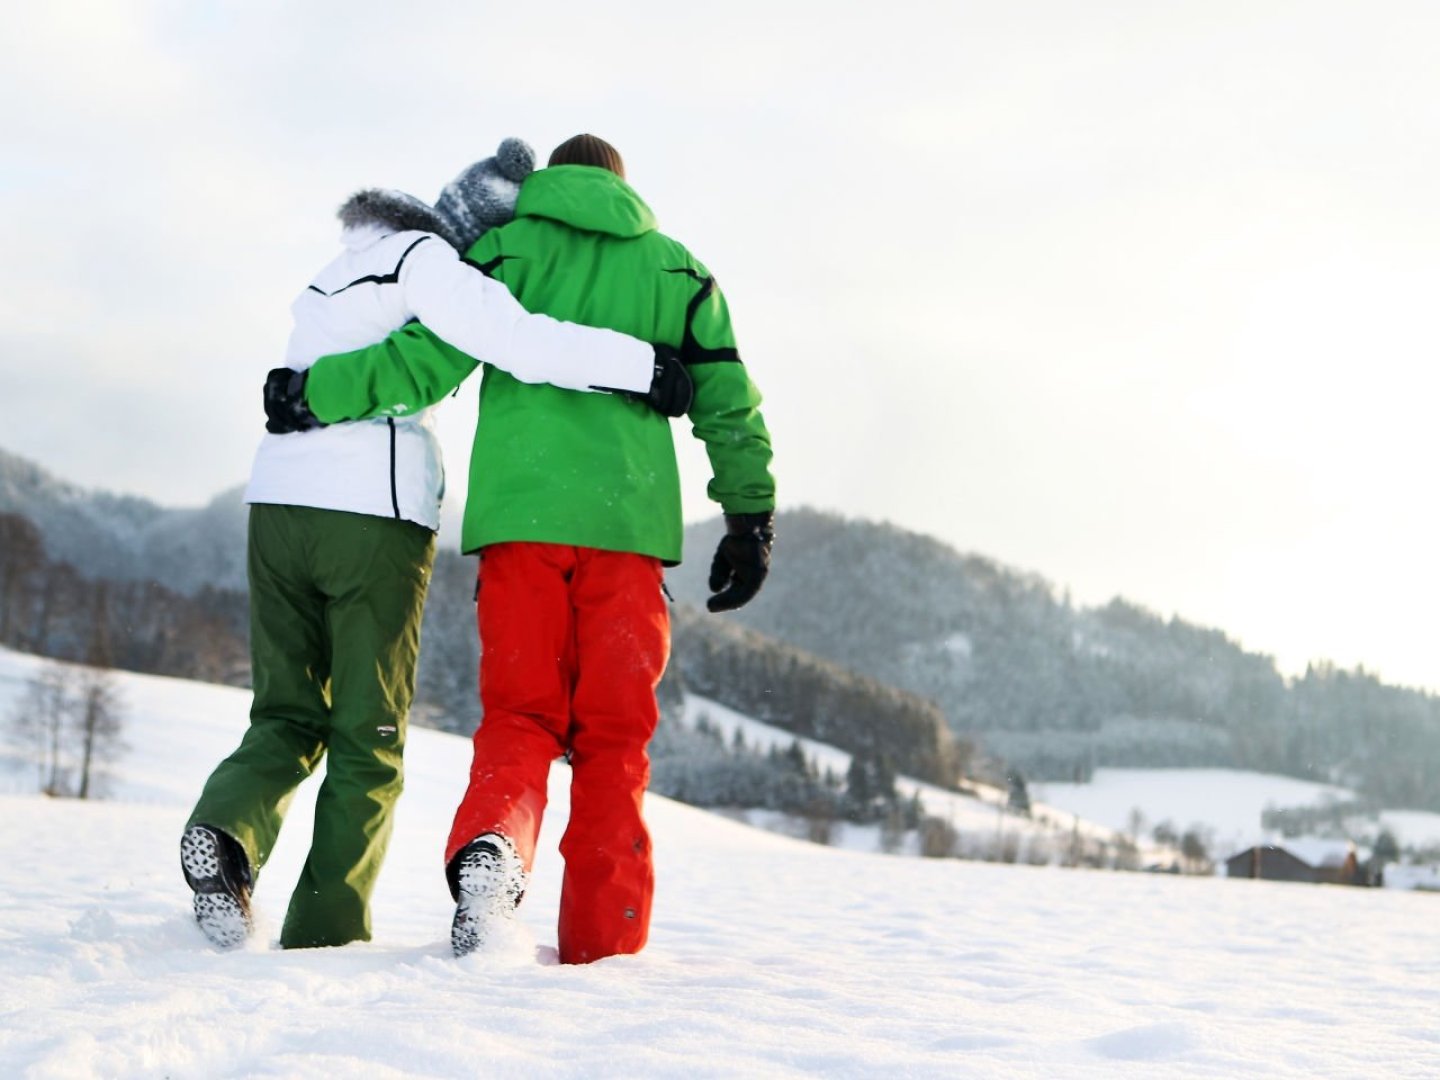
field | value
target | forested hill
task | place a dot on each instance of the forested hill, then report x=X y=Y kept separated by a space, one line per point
x=801 y=693
x=1059 y=690
x=125 y=538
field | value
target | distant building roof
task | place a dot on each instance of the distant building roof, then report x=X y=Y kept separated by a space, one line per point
x=1314 y=851
x=1317 y=851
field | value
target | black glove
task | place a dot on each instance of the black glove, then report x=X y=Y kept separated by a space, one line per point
x=285 y=408
x=741 y=561
x=671 y=390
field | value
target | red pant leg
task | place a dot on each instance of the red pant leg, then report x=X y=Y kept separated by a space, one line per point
x=526 y=665
x=622 y=638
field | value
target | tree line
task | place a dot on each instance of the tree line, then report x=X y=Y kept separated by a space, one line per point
x=52 y=608
x=783 y=686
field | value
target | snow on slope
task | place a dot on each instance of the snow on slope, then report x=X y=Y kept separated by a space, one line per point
x=1227 y=802
x=768 y=958
x=978 y=817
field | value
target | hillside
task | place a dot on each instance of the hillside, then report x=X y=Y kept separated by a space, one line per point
x=1000 y=657
x=769 y=957
x=813 y=698
x=1058 y=690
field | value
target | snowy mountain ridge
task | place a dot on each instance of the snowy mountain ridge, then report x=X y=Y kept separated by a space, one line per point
x=128 y=538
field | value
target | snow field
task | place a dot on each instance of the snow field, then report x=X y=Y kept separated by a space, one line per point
x=769 y=957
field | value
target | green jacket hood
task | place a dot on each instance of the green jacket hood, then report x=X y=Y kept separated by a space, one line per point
x=585 y=197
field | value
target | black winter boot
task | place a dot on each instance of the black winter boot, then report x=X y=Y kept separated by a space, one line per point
x=217 y=870
x=487 y=880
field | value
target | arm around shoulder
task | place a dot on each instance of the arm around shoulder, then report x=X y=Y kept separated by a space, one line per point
x=479 y=316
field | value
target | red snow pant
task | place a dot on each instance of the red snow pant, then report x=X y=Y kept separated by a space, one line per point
x=574 y=643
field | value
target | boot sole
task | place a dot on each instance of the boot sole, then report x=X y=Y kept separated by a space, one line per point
x=221 y=906
x=490 y=887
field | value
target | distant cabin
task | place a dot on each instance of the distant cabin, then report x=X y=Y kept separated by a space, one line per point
x=1323 y=862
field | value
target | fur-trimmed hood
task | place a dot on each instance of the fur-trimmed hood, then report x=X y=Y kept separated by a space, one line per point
x=394 y=210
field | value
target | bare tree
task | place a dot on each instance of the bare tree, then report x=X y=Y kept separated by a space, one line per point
x=938 y=838
x=96 y=720
x=1135 y=825
x=69 y=719
x=95 y=713
x=1195 y=852
x=38 y=724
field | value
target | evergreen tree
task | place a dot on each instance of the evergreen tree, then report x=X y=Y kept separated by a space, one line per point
x=1019 y=798
x=1386 y=849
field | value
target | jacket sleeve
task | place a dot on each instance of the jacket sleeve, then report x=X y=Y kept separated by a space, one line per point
x=408 y=371
x=726 y=410
x=466 y=318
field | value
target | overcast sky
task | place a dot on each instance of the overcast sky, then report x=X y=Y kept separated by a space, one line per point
x=1136 y=296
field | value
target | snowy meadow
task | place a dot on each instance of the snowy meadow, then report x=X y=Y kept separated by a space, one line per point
x=769 y=957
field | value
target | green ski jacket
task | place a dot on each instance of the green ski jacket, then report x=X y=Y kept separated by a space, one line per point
x=551 y=465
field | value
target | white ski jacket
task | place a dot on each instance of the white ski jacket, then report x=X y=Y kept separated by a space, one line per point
x=383 y=279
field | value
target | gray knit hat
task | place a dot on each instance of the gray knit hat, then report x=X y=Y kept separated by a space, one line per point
x=483 y=196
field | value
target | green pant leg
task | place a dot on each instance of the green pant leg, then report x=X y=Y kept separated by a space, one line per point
x=248 y=793
x=375 y=572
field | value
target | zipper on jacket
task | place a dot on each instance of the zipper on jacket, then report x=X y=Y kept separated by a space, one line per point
x=394 y=487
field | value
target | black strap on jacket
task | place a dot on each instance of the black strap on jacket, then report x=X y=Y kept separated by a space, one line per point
x=691 y=351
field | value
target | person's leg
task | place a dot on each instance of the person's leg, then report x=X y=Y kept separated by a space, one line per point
x=525 y=673
x=374 y=572
x=248 y=793
x=622 y=644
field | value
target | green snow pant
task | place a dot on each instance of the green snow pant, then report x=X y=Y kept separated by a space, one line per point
x=335 y=606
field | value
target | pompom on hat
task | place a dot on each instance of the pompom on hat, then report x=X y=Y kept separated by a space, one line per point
x=483 y=196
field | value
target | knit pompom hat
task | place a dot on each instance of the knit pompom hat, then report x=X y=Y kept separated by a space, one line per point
x=483 y=196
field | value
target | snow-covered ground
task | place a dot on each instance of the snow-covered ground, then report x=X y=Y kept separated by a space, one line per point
x=769 y=957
